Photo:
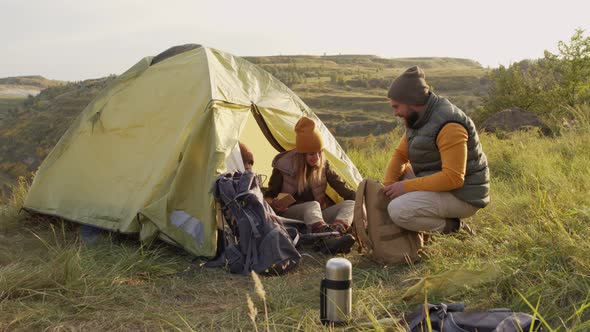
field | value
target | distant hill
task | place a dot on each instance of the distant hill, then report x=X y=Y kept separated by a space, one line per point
x=14 y=90
x=34 y=80
x=22 y=86
x=348 y=92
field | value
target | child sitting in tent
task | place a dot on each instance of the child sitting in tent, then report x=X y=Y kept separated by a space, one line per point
x=305 y=173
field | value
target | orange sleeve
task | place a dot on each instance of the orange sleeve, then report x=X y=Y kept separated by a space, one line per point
x=397 y=163
x=452 y=145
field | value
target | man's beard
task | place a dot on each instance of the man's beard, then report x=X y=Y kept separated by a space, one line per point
x=412 y=118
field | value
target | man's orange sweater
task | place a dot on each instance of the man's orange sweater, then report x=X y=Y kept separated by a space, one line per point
x=452 y=145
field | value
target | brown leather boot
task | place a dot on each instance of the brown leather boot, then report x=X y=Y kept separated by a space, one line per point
x=336 y=245
x=453 y=225
x=321 y=227
x=340 y=226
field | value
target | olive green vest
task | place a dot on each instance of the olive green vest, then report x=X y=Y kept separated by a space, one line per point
x=425 y=158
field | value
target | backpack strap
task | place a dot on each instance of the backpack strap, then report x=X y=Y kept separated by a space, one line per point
x=437 y=313
x=248 y=261
x=253 y=222
x=230 y=254
x=359 y=217
x=245 y=182
x=225 y=190
x=218 y=215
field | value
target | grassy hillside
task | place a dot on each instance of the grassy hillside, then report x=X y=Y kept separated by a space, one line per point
x=30 y=130
x=9 y=104
x=346 y=91
x=8 y=107
x=531 y=254
x=14 y=91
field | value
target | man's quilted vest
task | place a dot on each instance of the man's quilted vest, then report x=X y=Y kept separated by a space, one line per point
x=285 y=162
x=425 y=158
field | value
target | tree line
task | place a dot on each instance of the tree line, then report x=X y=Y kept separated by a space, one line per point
x=543 y=86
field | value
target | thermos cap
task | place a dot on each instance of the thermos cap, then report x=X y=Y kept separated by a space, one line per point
x=338 y=269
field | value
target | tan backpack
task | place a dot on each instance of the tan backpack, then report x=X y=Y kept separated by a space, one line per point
x=386 y=242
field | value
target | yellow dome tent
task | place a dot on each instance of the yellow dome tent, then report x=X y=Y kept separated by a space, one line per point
x=143 y=155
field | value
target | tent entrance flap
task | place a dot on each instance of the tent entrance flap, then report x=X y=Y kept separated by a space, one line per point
x=256 y=140
x=265 y=130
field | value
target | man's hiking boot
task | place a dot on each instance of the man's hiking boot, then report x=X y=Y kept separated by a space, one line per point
x=336 y=245
x=453 y=225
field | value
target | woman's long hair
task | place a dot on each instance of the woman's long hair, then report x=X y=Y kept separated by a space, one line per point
x=306 y=175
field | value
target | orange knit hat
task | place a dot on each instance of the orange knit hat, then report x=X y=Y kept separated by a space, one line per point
x=307 y=138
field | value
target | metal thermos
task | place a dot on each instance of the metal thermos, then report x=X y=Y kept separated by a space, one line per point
x=336 y=292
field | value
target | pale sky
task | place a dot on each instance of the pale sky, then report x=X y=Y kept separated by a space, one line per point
x=78 y=39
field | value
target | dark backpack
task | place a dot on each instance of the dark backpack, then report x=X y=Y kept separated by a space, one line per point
x=451 y=318
x=253 y=238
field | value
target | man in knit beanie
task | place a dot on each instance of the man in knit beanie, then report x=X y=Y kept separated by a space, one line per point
x=438 y=173
x=410 y=90
x=410 y=87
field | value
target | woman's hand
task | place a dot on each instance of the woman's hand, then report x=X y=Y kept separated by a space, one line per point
x=277 y=206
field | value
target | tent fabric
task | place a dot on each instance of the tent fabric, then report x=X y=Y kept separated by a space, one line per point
x=143 y=155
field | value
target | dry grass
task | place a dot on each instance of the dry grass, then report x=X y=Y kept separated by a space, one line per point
x=535 y=234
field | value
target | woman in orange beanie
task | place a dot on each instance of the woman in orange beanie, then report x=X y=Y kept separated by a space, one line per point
x=305 y=173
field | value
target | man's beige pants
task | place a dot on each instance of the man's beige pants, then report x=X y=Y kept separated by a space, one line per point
x=311 y=212
x=427 y=210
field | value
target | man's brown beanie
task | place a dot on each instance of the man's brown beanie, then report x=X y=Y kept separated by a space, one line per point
x=307 y=138
x=409 y=87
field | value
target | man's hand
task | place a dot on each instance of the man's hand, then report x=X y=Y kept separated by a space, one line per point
x=394 y=190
